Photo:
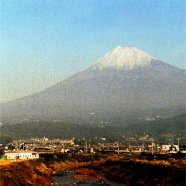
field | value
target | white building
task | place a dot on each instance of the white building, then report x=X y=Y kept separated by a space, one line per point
x=21 y=155
x=170 y=148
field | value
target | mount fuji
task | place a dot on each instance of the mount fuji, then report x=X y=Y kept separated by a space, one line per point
x=125 y=81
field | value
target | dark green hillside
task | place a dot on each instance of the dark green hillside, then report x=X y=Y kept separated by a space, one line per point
x=59 y=130
x=175 y=125
x=161 y=129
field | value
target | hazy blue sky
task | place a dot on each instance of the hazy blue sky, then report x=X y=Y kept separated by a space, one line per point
x=44 y=41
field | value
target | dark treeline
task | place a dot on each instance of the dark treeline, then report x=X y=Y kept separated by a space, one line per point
x=118 y=130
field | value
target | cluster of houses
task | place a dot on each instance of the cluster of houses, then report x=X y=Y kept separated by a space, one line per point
x=27 y=149
x=31 y=148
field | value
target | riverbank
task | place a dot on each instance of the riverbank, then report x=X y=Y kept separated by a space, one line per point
x=25 y=173
x=143 y=173
x=126 y=169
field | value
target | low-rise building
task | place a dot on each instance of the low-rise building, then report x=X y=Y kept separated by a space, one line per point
x=172 y=148
x=21 y=155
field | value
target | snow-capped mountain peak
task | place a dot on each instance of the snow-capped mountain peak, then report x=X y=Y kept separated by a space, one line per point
x=125 y=58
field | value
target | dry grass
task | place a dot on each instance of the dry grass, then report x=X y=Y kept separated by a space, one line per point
x=5 y=162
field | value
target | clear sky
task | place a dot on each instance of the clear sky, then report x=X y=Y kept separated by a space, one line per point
x=44 y=41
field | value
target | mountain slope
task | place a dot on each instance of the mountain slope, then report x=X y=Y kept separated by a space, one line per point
x=123 y=81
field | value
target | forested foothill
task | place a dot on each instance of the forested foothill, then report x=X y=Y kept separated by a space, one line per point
x=162 y=130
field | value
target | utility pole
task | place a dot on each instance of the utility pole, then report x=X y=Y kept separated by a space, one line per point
x=152 y=145
x=85 y=147
x=179 y=143
x=142 y=146
x=118 y=147
x=129 y=146
x=63 y=148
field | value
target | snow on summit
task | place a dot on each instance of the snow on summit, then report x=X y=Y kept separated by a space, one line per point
x=125 y=58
